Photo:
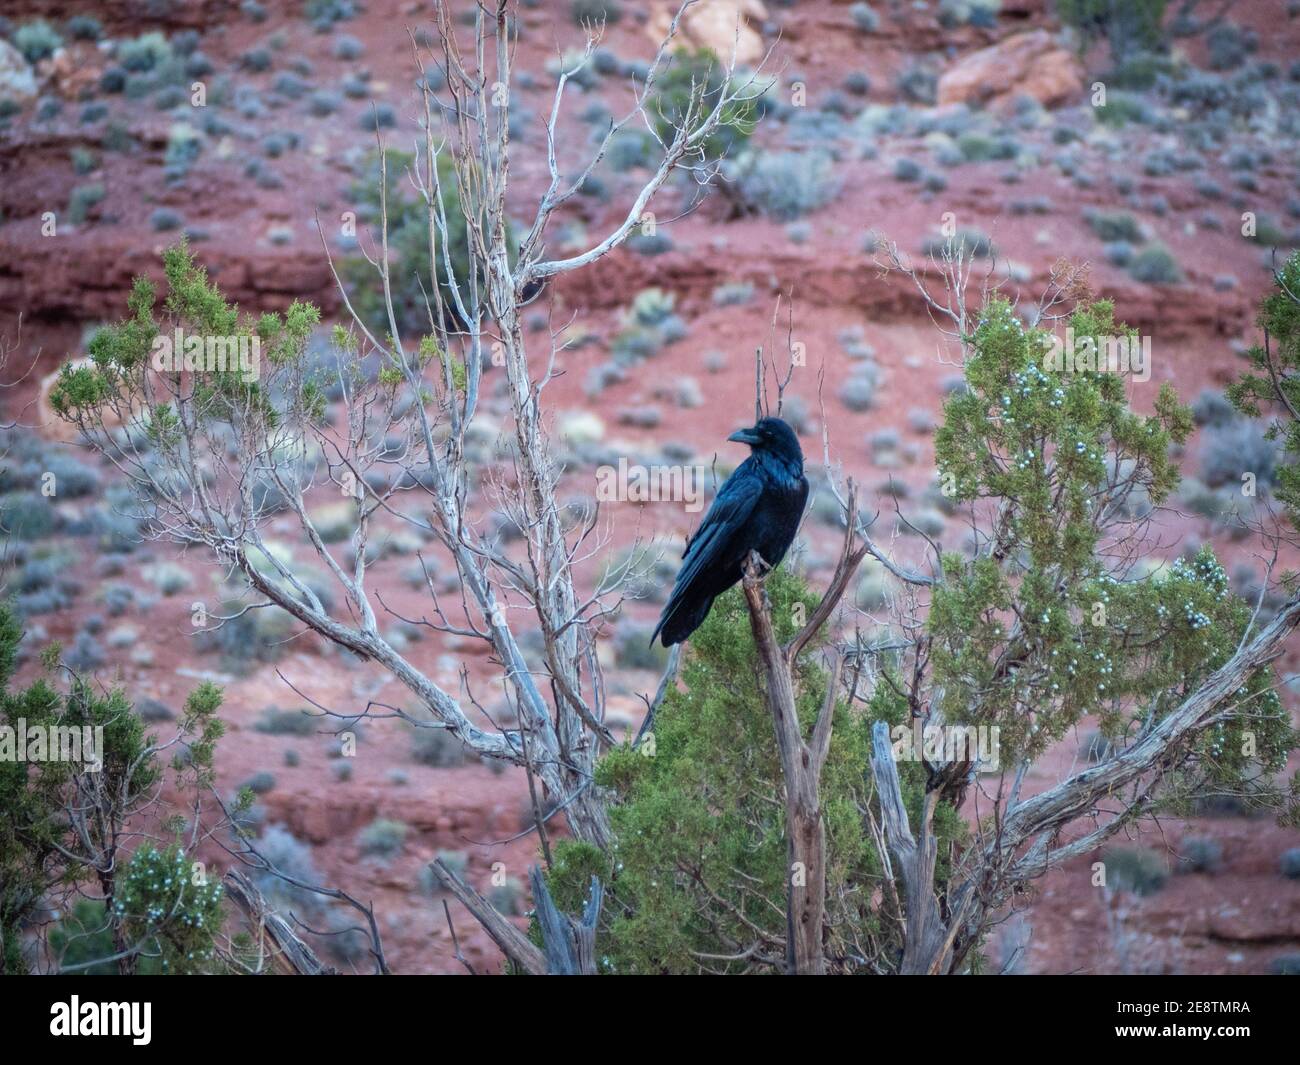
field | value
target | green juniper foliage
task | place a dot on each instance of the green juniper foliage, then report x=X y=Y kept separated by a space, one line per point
x=32 y=826
x=700 y=851
x=1275 y=384
x=162 y=906
x=84 y=938
x=122 y=355
x=180 y=423
x=173 y=911
x=134 y=909
x=1035 y=632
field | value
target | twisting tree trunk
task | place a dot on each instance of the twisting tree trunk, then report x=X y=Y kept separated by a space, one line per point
x=801 y=766
x=570 y=945
x=926 y=943
x=291 y=952
x=802 y=760
x=1027 y=842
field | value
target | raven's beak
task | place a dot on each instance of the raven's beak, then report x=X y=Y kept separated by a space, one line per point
x=745 y=436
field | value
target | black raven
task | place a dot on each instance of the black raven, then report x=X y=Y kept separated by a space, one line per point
x=758 y=508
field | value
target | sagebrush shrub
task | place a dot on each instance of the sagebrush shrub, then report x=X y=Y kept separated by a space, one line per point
x=1139 y=870
x=789 y=185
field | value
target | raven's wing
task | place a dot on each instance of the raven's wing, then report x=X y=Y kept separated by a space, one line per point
x=713 y=540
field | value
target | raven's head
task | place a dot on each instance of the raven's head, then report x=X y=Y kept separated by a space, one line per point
x=773 y=436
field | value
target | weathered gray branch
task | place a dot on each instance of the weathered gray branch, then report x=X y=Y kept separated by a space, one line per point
x=802 y=762
x=1019 y=850
x=927 y=941
x=801 y=768
x=291 y=950
x=513 y=943
x=1056 y=806
x=570 y=945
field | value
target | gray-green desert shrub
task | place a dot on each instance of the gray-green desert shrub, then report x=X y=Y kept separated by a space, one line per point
x=1139 y=870
x=437 y=748
x=1155 y=265
x=383 y=838
x=1199 y=854
x=788 y=185
x=37 y=40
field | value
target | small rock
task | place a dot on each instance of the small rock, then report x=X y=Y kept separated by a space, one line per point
x=152 y=710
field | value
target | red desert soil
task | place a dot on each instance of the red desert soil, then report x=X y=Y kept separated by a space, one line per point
x=1234 y=920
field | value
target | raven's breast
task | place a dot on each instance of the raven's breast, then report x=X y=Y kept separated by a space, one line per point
x=776 y=520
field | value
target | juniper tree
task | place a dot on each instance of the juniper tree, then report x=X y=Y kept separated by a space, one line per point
x=1274 y=384
x=1052 y=617
x=1054 y=614
x=695 y=880
x=81 y=827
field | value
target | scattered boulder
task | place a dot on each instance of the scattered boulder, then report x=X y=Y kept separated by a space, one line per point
x=1025 y=64
x=75 y=71
x=712 y=24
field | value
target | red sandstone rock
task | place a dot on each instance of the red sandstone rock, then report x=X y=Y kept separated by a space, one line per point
x=1025 y=64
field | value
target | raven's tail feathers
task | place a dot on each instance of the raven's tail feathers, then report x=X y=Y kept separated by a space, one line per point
x=681 y=620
